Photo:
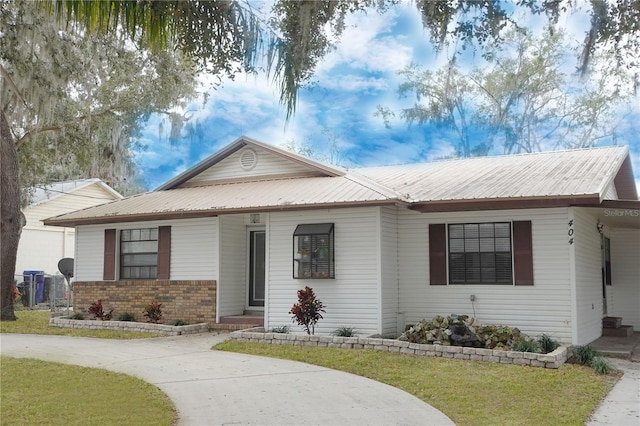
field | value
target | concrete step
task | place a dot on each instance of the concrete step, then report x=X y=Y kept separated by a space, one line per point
x=243 y=319
x=230 y=327
x=622 y=331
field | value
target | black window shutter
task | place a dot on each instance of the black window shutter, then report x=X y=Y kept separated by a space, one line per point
x=522 y=253
x=437 y=254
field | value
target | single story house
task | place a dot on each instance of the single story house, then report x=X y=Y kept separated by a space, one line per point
x=42 y=246
x=547 y=242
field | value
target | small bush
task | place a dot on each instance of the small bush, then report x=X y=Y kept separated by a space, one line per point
x=547 y=344
x=283 y=329
x=153 y=312
x=307 y=312
x=76 y=316
x=584 y=355
x=600 y=365
x=126 y=316
x=525 y=345
x=179 y=322
x=97 y=310
x=344 y=331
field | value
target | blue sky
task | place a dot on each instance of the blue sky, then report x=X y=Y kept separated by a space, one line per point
x=335 y=115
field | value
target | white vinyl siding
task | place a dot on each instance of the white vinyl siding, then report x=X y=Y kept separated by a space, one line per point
x=588 y=276
x=352 y=298
x=193 y=248
x=41 y=247
x=541 y=308
x=267 y=164
x=232 y=285
x=623 y=295
x=389 y=272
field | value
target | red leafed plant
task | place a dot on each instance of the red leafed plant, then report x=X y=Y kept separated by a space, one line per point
x=307 y=312
x=153 y=311
x=97 y=310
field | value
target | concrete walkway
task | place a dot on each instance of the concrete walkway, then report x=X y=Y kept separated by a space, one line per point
x=221 y=388
x=622 y=406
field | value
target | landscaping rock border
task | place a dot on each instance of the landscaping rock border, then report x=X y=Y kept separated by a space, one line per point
x=551 y=360
x=145 y=327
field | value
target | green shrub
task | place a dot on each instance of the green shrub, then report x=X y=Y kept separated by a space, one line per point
x=179 y=322
x=344 y=331
x=283 y=329
x=547 y=344
x=584 y=355
x=126 y=316
x=153 y=311
x=525 y=345
x=600 y=365
x=76 y=316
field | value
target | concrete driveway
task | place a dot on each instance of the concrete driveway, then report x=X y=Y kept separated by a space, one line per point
x=221 y=388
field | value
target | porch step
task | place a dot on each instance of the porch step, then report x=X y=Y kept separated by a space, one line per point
x=230 y=327
x=622 y=331
x=252 y=321
x=611 y=322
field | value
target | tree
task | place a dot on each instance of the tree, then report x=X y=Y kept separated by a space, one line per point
x=523 y=101
x=94 y=90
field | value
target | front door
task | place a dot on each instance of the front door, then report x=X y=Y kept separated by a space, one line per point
x=606 y=270
x=256 y=267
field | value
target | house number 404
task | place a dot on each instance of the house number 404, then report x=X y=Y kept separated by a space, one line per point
x=570 y=232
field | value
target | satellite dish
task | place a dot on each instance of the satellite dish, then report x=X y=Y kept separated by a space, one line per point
x=65 y=266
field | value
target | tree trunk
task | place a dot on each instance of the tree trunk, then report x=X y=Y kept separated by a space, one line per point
x=11 y=218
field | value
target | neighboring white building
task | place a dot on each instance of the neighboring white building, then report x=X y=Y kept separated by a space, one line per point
x=547 y=242
x=41 y=246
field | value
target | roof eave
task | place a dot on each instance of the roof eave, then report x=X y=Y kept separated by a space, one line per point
x=504 y=203
x=145 y=217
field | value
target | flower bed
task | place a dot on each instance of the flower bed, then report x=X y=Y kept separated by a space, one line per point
x=144 y=327
x=551 y=360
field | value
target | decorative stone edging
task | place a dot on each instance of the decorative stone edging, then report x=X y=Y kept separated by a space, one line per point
x=145 y=327
x=551 y=360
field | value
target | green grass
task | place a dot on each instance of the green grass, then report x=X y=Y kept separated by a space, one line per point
x=36 y=393
x=470 y=393
x=37 y=322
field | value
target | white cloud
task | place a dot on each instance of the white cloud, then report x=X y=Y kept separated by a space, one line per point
x=366 y=44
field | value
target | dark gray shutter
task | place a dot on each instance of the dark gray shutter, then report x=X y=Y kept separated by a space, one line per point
x=522 y=253
x=109 y=268
x=164 y=252
x=437 y=254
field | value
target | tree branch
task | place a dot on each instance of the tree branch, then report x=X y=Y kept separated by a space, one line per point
x=55 y=127
x=5 y=74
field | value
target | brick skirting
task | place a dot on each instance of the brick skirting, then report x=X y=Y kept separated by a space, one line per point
x=191 y=300
x=551 y=360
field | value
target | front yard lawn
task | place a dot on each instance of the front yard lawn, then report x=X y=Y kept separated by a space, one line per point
x=46 y=393
x=37 y=322
x=469 y=392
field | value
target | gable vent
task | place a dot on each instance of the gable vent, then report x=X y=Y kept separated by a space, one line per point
x=248 y=159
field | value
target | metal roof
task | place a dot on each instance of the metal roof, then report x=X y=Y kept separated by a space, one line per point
x=211 y=200
x=48 y=192
x=576 y=177
x=572 y=173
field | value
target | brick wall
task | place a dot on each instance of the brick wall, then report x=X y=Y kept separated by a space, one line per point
x=193 y=301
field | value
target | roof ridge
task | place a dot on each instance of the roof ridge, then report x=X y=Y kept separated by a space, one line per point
x=481 y=157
